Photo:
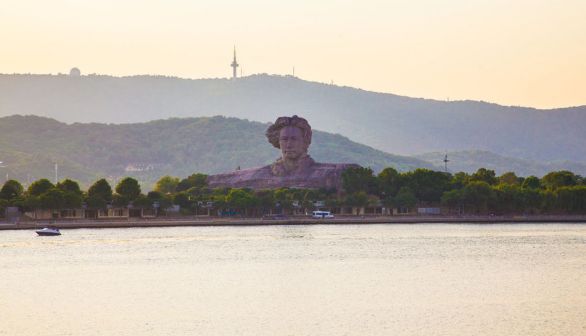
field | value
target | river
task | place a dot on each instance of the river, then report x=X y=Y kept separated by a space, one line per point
x=420 y=279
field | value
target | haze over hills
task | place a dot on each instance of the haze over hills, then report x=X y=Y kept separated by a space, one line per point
x=471 y=161
x=30 y=145
x=384 y=121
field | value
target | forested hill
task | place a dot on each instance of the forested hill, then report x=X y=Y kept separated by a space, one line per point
x=387 y=122
x=30 y=145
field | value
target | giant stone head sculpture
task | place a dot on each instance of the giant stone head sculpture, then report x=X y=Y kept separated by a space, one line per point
x=292 y=135
x=294 y=169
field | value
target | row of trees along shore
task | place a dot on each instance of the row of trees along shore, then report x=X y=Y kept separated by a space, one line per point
x=559 y=192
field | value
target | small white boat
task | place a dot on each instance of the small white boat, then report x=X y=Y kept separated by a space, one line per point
x=48 y=231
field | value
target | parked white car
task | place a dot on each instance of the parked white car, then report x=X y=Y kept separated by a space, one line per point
x=322 y=214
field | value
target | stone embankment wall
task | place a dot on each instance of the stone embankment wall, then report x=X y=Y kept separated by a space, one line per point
x=163 y=222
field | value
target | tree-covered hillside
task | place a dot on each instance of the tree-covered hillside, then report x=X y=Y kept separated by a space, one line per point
x=30 y=145
x=387 y=122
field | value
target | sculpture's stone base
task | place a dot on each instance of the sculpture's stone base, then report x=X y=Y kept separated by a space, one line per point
x=317 y=175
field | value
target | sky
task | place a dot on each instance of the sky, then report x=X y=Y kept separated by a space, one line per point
x=514 y=52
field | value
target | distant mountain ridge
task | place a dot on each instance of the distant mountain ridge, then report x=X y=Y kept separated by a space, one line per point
x=471 y=161
x=30 y=145
x=387 y=122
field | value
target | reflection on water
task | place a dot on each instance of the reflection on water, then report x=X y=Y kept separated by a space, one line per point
x=296 y=280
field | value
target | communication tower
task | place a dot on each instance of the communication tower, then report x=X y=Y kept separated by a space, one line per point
x=234 y=65
x=446 y=162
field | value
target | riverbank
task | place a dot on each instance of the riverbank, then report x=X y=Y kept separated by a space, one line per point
x=208 y=221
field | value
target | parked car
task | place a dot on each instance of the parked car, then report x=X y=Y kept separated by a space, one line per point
x=322 y=214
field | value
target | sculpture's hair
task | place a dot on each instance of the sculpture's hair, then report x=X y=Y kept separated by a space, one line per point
x=274 y=130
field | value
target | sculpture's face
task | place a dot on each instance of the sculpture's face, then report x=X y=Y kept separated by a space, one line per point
x=292 y=143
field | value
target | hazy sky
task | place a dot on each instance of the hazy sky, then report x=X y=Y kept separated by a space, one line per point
x=513 y=52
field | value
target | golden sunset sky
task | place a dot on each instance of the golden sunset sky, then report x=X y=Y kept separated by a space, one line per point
x=515 y=52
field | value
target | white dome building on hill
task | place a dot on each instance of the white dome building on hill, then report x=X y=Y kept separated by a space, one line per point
x=74 y=72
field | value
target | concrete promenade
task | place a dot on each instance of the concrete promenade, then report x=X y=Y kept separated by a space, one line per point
x=297 y=220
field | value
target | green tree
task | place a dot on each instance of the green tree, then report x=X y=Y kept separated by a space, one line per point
x=192 y=181
x=155 y=195
x=163 y=200
x=95 y=202
x=52 y=199
x=452 y=199
x=549 y=202
x=508 y=198
x=11 y=189
x=357 y=199
x=69 y=185
x=405 y=198
x=21 y=202
x=182 y=199
x=427 y=185
x=31 y=203
x=390 y=182
x=559 y=179
x=532 y=199
x=142 y=201
x=484 y=175
x=477 y=195
x=218 y=199
x=120 y=200
x=509 y=178
x=572 y=199
x=39 y=187
x=359 y=179
x=198 y=193
x=531 y=182
x=309 y=197
x=283 y=197
x=266 y=199
x=128 y=188
x=167 y=184
x=100 y=190
x=72 y=200
x=459 y=180
x=241 y=199
x=297 y=194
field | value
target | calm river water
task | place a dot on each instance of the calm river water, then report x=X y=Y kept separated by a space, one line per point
x=296 y=280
